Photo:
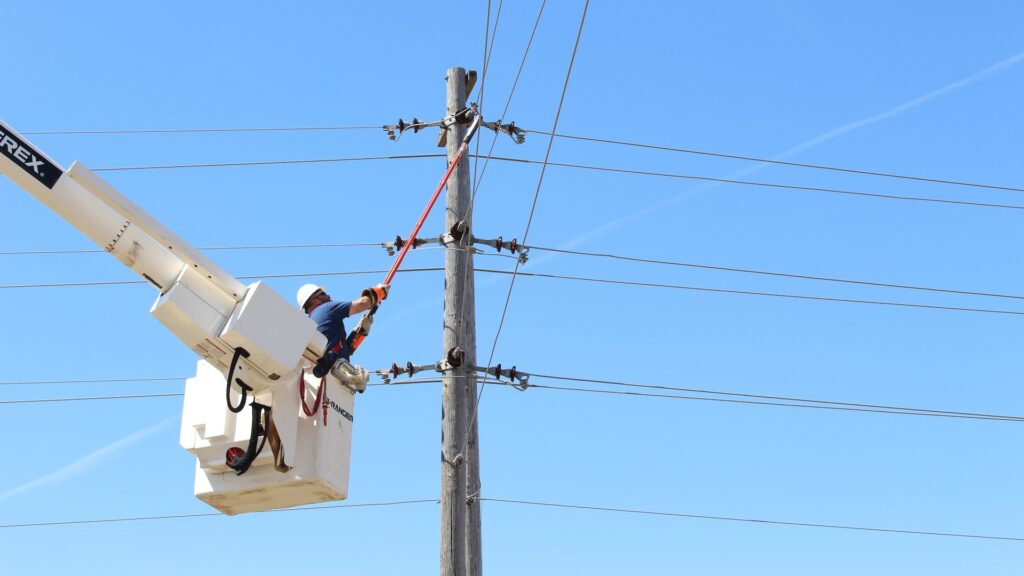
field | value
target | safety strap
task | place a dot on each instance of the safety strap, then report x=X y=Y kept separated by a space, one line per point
x=302 y=394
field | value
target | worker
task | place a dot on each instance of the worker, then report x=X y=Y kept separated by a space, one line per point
x=329 y=316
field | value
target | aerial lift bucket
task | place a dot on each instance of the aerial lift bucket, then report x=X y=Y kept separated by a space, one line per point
x=315 y=449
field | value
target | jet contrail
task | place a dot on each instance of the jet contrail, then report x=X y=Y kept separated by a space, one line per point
x=1011 y=61
x=806 y=145
x=88 y=461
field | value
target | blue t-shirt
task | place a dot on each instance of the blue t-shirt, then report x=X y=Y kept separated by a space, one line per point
x=329 y=318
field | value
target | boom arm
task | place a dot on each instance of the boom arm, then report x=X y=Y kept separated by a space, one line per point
x=204 y=306
x=107 y=217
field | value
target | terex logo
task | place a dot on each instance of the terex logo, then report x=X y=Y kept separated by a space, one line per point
x=30 y=161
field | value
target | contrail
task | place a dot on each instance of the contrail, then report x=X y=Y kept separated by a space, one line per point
x=88 y=461
x=963 y=82
x=803 y=146
x=806 y=145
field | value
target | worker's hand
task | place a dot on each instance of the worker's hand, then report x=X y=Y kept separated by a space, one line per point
x=364 y=324
x=377 y=294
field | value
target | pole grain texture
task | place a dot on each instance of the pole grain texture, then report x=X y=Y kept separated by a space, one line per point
x=460 y=535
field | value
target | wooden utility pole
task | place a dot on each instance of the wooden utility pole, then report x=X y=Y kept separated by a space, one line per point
x=460 y=540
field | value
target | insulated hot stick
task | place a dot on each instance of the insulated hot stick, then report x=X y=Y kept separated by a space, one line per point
x=355 y=338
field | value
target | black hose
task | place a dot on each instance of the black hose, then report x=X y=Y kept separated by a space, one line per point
x=241 y=464
x=245 y=387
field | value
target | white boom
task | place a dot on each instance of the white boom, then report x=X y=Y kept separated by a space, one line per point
x=215 y=315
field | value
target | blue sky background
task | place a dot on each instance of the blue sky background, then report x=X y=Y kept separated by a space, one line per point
x=881 y=86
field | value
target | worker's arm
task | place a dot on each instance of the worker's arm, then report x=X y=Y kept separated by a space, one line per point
x=371 y=297
x=358 y=305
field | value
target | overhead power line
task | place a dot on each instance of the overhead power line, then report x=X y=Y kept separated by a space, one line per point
x=201 y=130
x=543 y=169
x=504 y=112
x=91 y=381
x=692 y=151
x=780 y=401
x=536 y=194
x=771 y=273
x=580 y=253
x=83 y=398
x=203 y=249
x=754 y=293
x=267 y=162
x=691 y=177
x=785 y=162
x=249 y=277
x=772 y=185
x=562 y=277
x=745 y=398
x=208 y=514
x=757 y=520
x=168 y=395
x=528 y=503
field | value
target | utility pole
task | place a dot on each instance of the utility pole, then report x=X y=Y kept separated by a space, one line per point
x=460 y=539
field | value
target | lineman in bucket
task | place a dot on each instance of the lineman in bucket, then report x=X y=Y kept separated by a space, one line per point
x=329 y=316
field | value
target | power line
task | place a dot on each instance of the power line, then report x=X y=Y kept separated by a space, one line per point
x=763 y=184
x=807 y=403
x=201 y=130
x=249 y=277
x=762 y=396
x=561 y=277
x=488 y=52
x=565 y=136
x=476 y=187
x=794 y=402
x=177 y=379
x=785 y=163
x=577 y=253
x=757 y=520
x=770 y=273
x=524 y=502
x=536 y=195
x=203 y=249
x=268 y=162
x=772 y=185
x=761 y=399
x=83 y=398
x=208 y=514
x=755 y=293
x=92 y=381
x=504 y=112
x=171 y=395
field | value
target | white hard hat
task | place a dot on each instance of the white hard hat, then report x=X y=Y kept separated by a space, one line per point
x=305 y=291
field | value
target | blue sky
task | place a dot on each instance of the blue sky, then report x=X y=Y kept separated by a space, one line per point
x=873 y=85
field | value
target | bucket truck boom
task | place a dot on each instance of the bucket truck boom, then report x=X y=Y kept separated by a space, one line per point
x=248 y=332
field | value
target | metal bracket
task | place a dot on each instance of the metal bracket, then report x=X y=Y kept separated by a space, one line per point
x=452 y=361
x=455 y=234
x=518 y=135
x=463 y=116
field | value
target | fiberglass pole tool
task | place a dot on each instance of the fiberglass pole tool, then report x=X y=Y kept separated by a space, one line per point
x=355 y=339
